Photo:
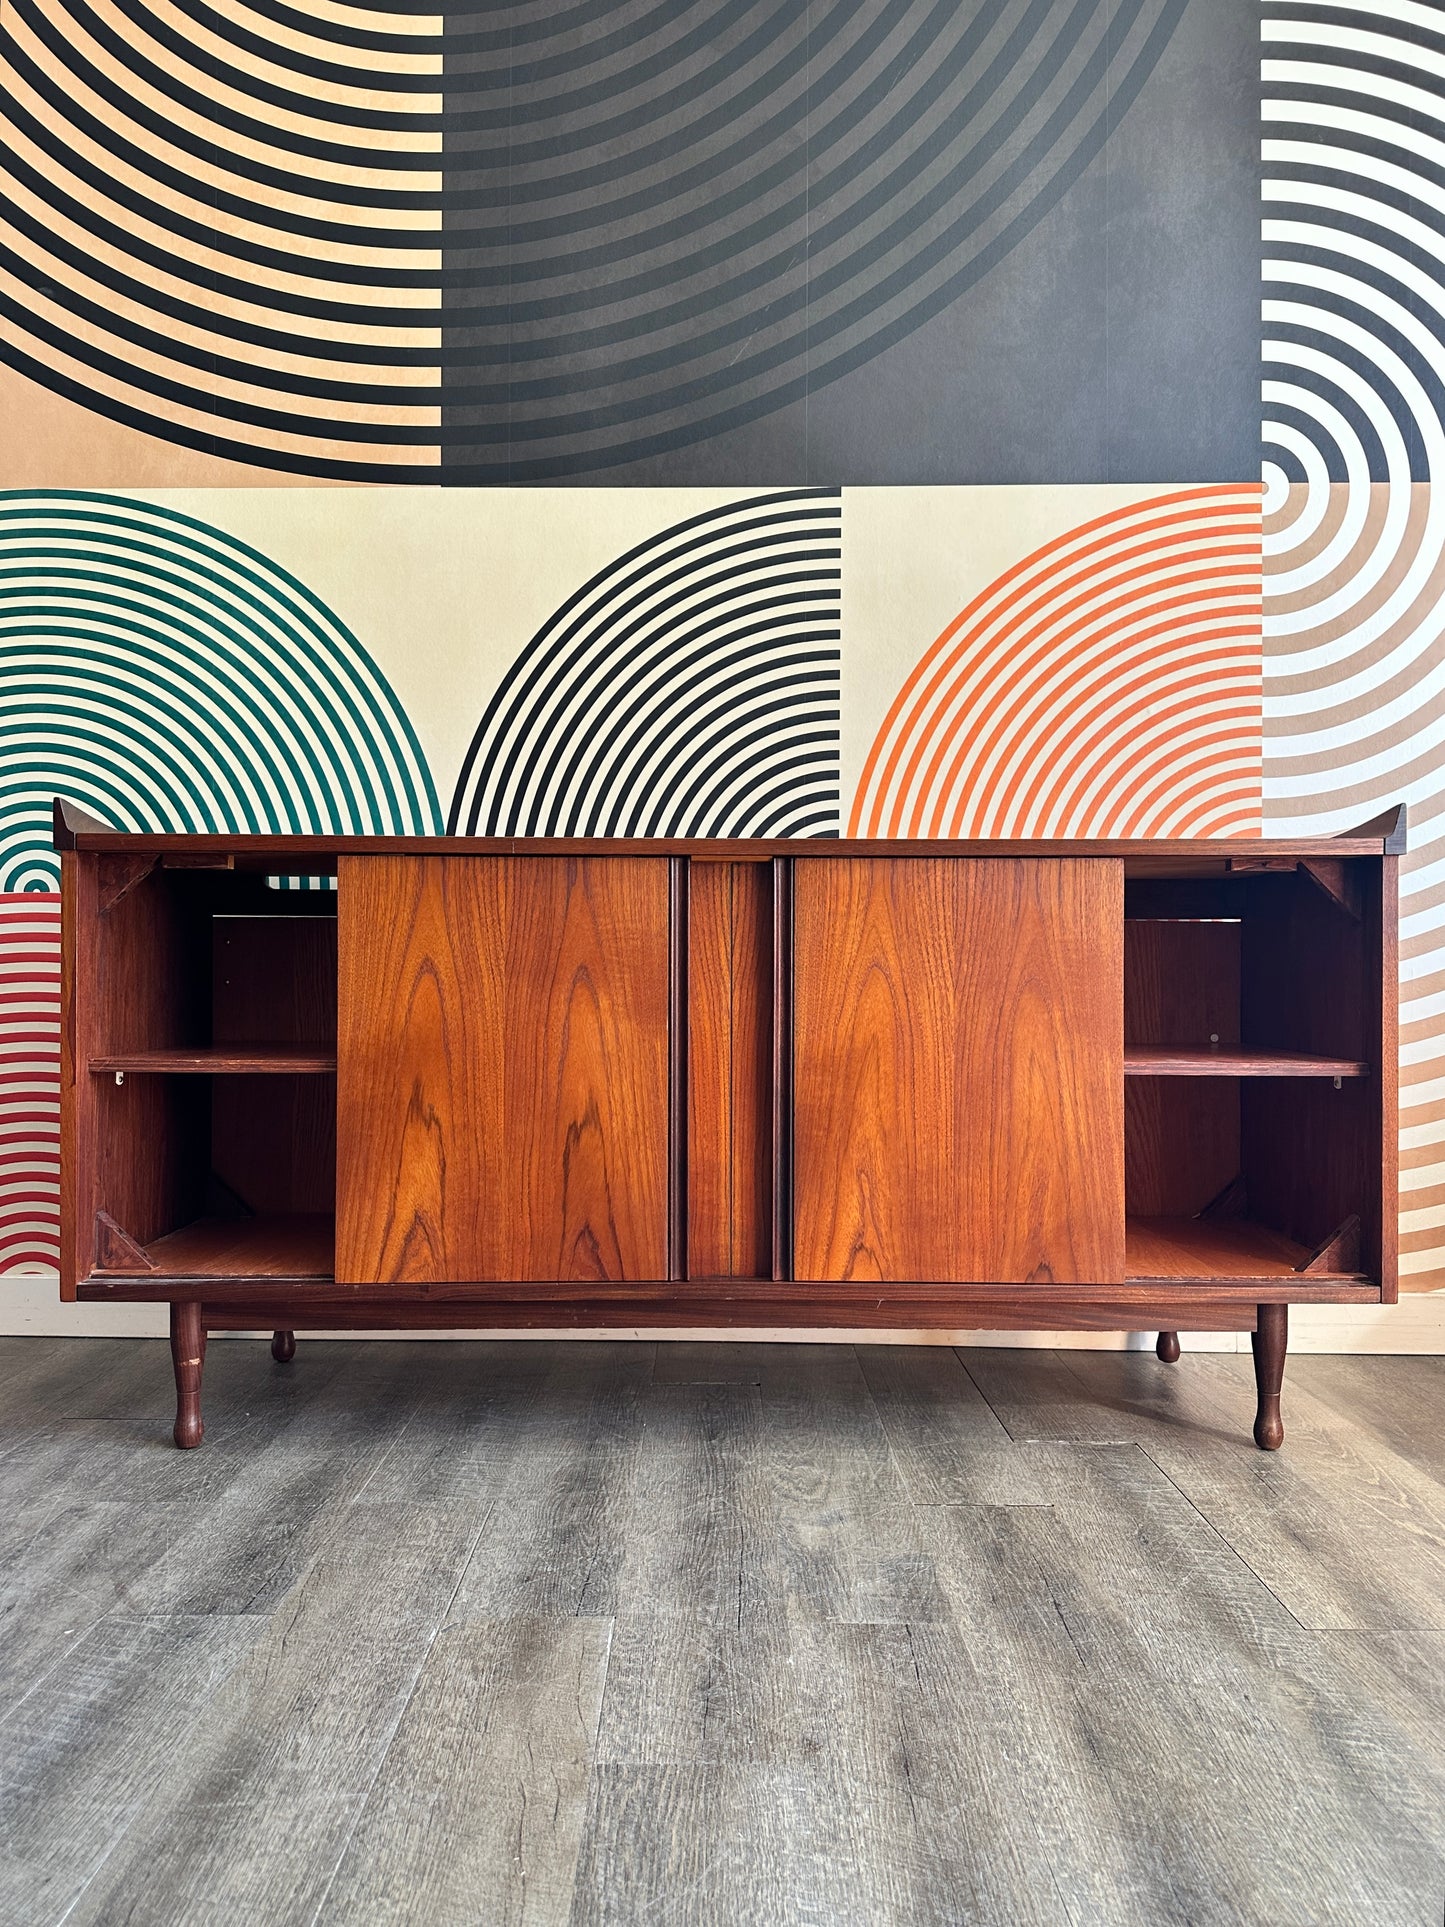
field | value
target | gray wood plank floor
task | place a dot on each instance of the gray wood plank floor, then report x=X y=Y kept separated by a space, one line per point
x=634 y=1633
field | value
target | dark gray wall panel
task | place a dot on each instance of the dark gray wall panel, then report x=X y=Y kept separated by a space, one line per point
x=885 y=240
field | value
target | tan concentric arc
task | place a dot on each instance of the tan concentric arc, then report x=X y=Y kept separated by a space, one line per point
x=1354 y=615
x=227 y=233
x=1361 y=724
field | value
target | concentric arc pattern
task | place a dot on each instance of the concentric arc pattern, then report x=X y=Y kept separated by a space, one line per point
x=29 y=1082
x=1354 y=672
x=1106 y=685
x=691 y=688
x=166 y=677
x=519 y=243
x=222 y=225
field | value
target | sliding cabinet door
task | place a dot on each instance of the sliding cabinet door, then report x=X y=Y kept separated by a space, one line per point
x=958 y=1070
x=502 y=1106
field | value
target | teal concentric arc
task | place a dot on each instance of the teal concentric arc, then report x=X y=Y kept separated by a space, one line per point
x=165 y=676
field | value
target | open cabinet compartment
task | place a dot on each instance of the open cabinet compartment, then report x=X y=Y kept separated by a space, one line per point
x=205 y=1157
x=1253 y=1047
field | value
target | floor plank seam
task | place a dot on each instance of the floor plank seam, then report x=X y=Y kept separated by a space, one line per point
x=43 y=1676
x=365 y=1796
x=1063 y=1619
x=1232 y=1550
x=359 y=1496
x=957 y=1351
x=93 y=1876
x=894 y=1463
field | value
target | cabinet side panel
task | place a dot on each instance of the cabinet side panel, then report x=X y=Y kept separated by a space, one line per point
x=77 y=1119
x=959 y=1070
x=1385 y=967
x=420 y=1127
x=730 y=1071
x=586 y=1079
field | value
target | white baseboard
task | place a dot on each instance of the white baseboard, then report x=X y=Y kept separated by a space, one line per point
x=30 y=1307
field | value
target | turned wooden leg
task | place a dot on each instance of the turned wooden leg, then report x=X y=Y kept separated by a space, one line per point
x=188 y=1351
x=283 y=1347
x=1167 y=1346
x=1268 y=1343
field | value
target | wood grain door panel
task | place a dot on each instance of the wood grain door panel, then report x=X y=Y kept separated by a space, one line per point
x=958 y=1107
x=585 y=1053
x=502 y=1104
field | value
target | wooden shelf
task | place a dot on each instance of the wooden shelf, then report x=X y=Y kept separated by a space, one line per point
x=222 y=1060
x=1212 y=1248
x=1233 y=1060
x=302 y=1246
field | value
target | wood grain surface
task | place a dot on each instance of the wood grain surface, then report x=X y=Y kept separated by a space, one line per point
x=1174 y=1060
x=959 y=1070
x=149 y=1140
x=502 y=1098
x=1213 y=1248
x=1382 y=964
x=225 y=1060
x=729 y=1071
x=1181 y=985
x=1146 y=856
x=294 y=1246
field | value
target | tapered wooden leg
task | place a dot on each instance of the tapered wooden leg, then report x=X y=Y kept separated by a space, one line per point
x=1167 y=1346
x=283 y=1347
x=1268 y=1343
x=188 y=1352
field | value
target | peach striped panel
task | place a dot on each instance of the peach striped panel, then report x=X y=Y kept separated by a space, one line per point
x=226 y=231
x=1106 y=685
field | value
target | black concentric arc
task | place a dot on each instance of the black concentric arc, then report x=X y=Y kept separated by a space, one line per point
x=690 y=688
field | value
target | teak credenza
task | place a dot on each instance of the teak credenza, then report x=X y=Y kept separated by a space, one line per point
x=1111 y=1085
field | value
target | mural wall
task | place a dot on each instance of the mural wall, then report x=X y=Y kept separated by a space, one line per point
x=768 y=417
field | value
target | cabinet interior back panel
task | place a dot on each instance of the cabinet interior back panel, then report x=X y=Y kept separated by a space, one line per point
x=958 y=1106
x=502 y=1102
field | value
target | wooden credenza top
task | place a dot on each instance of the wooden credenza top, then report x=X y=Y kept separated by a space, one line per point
x=1183 y=856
